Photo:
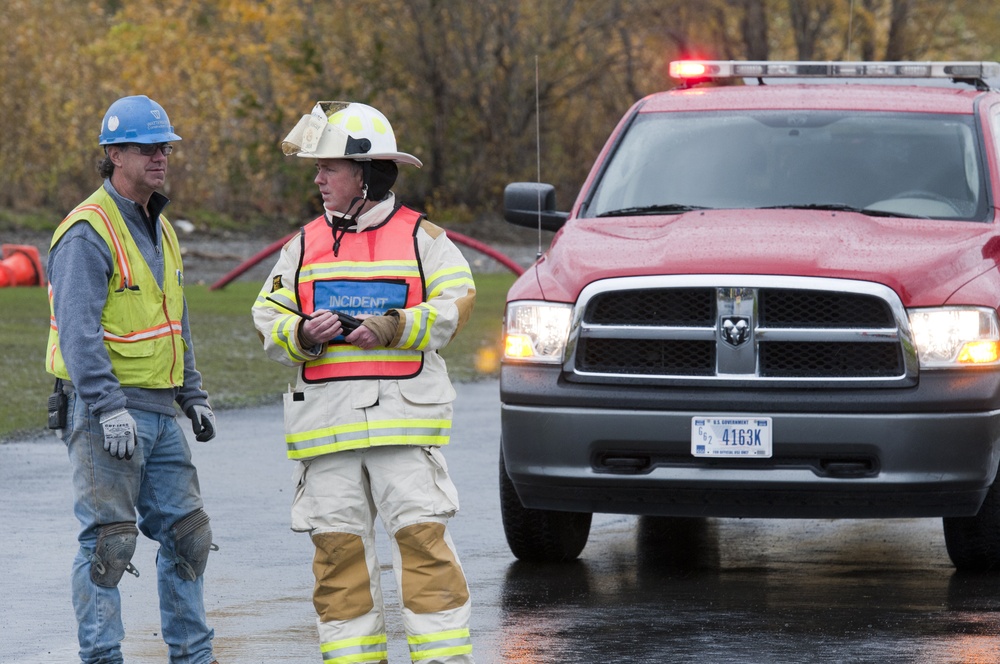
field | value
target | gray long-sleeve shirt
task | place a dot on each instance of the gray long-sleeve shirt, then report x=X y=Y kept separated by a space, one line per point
x=79 y=269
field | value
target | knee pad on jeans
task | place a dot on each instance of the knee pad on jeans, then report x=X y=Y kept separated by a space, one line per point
x=113 y=555
x=192 y=542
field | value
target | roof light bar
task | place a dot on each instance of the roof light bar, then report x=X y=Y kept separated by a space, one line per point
x=704 y=69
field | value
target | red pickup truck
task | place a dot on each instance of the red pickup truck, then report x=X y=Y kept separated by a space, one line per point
x=775 y=297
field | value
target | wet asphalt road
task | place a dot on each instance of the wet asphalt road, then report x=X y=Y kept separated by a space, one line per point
x=643 y=591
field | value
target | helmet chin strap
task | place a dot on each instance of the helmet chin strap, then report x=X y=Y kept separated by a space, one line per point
x=350 y=218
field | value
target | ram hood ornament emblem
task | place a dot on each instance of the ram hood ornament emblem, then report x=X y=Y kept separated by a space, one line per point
x=736 y=330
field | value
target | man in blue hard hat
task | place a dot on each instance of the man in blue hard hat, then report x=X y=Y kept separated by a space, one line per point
x=121 y=351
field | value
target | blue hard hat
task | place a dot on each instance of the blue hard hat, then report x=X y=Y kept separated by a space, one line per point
x=136 y=119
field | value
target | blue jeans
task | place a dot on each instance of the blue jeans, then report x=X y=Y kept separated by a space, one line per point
x=161 y=484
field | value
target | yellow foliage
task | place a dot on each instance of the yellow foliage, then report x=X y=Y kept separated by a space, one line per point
x=456 y=79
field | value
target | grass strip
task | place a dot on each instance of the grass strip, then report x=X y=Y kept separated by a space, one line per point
x=229 y=354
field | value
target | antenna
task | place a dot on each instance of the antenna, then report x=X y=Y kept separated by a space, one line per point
x=538 y=161
x=850 y=31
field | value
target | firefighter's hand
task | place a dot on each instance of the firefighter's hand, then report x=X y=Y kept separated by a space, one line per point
x=202 y=422
x=323 y=326
x=363 y=338
x=119 y=433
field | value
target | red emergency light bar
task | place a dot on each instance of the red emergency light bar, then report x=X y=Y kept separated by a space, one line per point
x=689 y=70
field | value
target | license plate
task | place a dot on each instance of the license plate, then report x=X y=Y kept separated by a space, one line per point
x=731 y=437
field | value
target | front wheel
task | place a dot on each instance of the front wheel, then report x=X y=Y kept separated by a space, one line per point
x=540 y=536
x=973 y=542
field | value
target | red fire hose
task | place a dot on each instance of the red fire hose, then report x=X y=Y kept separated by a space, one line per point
x=274 y=247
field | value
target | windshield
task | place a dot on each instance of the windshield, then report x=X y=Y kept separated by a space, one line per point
x=884 y=164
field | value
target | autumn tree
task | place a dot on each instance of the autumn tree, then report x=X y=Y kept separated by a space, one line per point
x=457 y=80
x=47 y=109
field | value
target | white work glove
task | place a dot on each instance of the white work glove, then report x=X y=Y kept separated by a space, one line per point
x=202 y=422
x=119 y=433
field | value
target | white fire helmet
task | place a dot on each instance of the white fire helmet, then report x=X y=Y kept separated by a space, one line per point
x=345 y=130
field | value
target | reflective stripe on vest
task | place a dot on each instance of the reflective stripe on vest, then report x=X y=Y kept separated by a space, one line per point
x=374 y=271
x=142 y=323
x=117 y=249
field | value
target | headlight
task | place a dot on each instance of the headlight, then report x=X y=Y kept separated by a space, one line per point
x=536 y=331
x=956 y=336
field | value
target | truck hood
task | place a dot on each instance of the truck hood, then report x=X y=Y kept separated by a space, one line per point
x=924 y=261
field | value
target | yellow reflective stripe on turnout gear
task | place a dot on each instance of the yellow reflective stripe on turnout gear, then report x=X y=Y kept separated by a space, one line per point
x=416 y=332
x=281 y=296
x=342 y=437
x=355 y=270
x=454 y=276
x=359 y=649
x=283 y=330
x=283 y=334
x=442 y=644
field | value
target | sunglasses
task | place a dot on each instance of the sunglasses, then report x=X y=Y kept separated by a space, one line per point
x=149 y=149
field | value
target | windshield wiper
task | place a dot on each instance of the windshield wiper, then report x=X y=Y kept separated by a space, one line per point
x=660 y=208
x=841 y=207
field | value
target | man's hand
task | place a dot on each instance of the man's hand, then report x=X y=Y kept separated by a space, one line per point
x=202 y=422
x=119 y=433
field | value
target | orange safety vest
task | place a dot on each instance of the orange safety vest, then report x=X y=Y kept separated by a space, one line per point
x=374 y=271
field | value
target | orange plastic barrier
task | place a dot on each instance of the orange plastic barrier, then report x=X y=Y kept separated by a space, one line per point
x=21 y=266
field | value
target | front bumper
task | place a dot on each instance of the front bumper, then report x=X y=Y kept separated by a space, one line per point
x=884 y=453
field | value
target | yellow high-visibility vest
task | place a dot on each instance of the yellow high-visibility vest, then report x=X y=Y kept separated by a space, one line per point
x=141 y=322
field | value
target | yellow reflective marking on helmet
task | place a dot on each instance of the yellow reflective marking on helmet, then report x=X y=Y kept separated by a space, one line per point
x=347 y=122
x=353 y=124
x=379 y=126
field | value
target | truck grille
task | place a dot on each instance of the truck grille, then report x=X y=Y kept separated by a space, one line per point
x=643 y=329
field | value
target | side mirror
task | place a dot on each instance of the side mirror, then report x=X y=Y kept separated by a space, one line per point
x=531 y=204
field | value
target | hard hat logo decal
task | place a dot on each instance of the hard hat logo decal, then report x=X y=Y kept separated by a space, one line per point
x=156 y=113
x=113 y=123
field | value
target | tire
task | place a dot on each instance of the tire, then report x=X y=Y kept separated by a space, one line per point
x=973 y=542
x=540 y=536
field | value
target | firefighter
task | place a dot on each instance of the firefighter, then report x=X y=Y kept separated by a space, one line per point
x=121 y=350
x=372 y=405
